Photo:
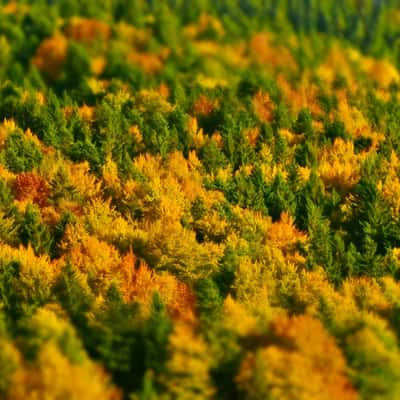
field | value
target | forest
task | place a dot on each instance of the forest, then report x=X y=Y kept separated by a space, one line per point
x=200 y=199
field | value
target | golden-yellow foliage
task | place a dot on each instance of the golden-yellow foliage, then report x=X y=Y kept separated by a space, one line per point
x=10 y=362
x=176 y=249
x=133 y=36
x=293 y=369
x=196 y=134
x=212 y=226
x=187 y=369
x=338 y=59
x=367 y=294
x=206 y=48
x=284 y=235
x=251 y=286
x=357 y=125
x=99 y=213
x=390 y=289
x=136 y=134
x=206 y=22
x=292 y=138
x=6 y=127
x=152 y=101
x=339 y=166
x=381 y=71
x=97 y=259
x=37 y=274
x=54 y=377
x=86 y=183
x=262 y=286
x=237 y=318
x=389 y=185
x=315 y=289
x=110 y=176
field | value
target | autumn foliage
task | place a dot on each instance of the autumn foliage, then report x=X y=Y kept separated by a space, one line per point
x=200 y=200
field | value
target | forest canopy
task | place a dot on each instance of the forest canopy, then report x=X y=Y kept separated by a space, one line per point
x=200 y=199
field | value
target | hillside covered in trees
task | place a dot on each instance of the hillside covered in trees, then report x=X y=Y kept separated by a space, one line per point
x=200 y=200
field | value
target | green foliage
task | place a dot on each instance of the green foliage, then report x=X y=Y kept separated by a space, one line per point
x=20 y=154
x=77 y=66
x=209 y=298
x=33 y=232
x=372 y=220
x=279 y=198
x=187 y=189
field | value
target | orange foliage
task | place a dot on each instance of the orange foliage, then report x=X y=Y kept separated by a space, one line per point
x=203 y=105
x=253 y=136
x=88 y=30
x=284 y=235
x=50 y=55
x=30 y=186
x=97 y=65
x=303 y=95
x=11 y=7
x=263 y=106
x=149 y=62
x=265 y=53
x=163 y=90
x=86 y=112
x=181 y=305
x=304 y=364
x=138 y=283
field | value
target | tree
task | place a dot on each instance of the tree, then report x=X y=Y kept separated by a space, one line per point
x=187 y=368
x=265 y=373
x=20 y=154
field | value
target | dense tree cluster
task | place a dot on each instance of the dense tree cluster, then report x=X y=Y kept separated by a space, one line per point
x=200 y=199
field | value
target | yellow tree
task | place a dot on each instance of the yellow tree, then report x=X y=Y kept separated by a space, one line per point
x=53 y=376
x=187 y=369
x=302 y=362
